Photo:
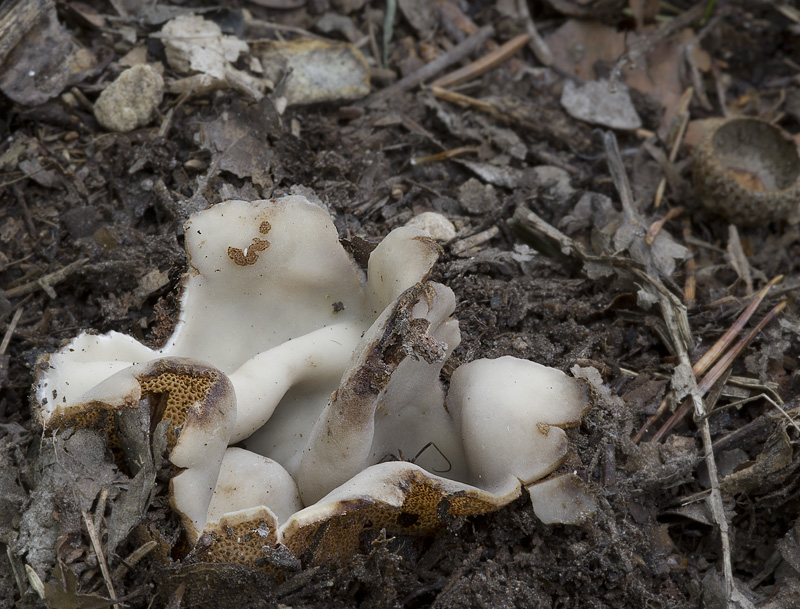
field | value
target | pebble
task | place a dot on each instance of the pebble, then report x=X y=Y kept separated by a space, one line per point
x=476 y=197
x=131 y=100
x=435 y=224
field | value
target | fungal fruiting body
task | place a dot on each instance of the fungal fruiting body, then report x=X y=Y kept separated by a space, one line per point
x=317 y=373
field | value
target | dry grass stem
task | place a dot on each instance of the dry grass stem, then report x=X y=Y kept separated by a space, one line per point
x=484 y=64
x=101 y=559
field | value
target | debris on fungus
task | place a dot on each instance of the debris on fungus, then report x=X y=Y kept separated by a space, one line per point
x=293 y=379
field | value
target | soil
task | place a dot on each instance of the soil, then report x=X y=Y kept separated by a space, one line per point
x=107 y=209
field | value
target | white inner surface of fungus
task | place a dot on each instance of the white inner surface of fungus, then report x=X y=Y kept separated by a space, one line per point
x=334 y=373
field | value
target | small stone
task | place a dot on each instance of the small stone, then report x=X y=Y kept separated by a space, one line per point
x=476 y=197
x=131 y=100
x=436 y=225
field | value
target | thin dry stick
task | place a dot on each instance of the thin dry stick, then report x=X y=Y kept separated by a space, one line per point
x=133 y=558
x=453 y=153
x=690 y=286
x=101 y=559
x=738 y=259
x=655 y=227
x=46 y=281
x=12 y=326
x=480 y=66
x=645 y=44
x=464 y=100
x=429 y=70
x=683 y=113
x=537 y=43
x=100 y=508
x=718 y=370
x=674 y=316
x=16 y=565
x=716 y=350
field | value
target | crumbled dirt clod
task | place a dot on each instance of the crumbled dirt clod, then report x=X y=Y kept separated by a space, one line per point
x=131 y=100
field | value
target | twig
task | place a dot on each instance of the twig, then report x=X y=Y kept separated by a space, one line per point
x=756 y=430
x=133 y=558
x=388 y=28
x=16 y=565
x=465 y=245
x=537 y=43
x=792 y=421
x=444 y=155
x=259 y=28
x=484 y=64
x=683 y=116
x=717 y=371
x=17 y=18
x=655 y=227
x=373 y=44
x=646 y=43
x=738 y=259
x=713 y=354
x=716 y=350
x=46 y=281
x=674 y=316
x=429 y=70
x=12 y=326
x=100 y=508
x=101 y=559
x=690 y=285
x=465 y=100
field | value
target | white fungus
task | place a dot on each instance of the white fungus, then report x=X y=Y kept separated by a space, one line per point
x=328 y=381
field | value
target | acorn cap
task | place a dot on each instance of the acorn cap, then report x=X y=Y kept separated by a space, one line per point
x=747 y=170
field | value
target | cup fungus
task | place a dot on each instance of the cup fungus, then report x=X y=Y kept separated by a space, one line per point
x=322 y=377
x=748 y=171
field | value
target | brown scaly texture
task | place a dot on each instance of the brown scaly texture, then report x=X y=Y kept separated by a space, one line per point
x=337 y=538
x=239 y=541
x=173 y=388
x=181 y=391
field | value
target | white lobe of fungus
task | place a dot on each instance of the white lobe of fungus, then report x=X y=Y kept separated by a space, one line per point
x=328 y=381
x=512 y=414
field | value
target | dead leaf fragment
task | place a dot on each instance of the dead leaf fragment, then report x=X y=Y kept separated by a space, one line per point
x=238 y=143
x=41 y=63
x=595 y=102
x=318 y=71
x=580 y=47
x=71 y=470
x=193 y=44
x=777 y=455
x=423 y=15
x=196 y=46
x=789 y=546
